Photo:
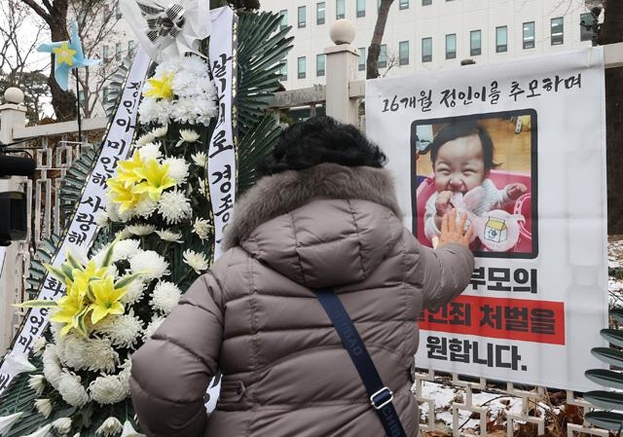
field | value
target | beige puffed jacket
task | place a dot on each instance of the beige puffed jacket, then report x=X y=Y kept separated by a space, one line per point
x=254 y=315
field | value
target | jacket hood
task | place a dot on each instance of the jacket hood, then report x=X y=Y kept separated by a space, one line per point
x=328 y=225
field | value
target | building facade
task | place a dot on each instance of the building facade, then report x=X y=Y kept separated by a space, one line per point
x=423 y=35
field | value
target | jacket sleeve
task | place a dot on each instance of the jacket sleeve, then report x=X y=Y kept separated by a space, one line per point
x=172 y=370
x=447 y=272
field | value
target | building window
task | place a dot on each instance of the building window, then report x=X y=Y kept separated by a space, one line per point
x=320 y=13
x=451 y=46
x=501 y=39
x=403 y=53
x=361 y=8
x=302 y=70
x=361 y=65
x=131 y=47
x=427 y=2
x=383 y=56
x=118 y=51
x=404 y=4
x=81 y=96
x=284 y=19
x=118 y=10
x=106 y=53
x=302 y=12
x=340 y=9
x=475 y=43
x=320 y=59
x=557 y=31
x=587 y=21
x=427 y=49
x=528 y=35
x=284 y=72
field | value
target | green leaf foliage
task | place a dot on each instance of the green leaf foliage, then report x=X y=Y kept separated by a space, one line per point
x=607 y=378
x=605 y=419
x=605 y=399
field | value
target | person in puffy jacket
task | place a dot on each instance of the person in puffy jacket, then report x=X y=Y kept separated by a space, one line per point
x=324 y=214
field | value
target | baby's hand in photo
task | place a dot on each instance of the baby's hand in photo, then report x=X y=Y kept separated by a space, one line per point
x=442 y=203
x=513 y=191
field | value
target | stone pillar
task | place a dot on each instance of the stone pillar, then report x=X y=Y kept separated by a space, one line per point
x=12 y=115
x=341 y=61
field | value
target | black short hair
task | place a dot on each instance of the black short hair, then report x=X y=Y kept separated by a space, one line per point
x=321 y=140
x=460 y=129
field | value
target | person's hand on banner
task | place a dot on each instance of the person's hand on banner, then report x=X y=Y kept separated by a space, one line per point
x=453 y=230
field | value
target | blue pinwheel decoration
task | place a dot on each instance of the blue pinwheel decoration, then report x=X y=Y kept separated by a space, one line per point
x=67 y=56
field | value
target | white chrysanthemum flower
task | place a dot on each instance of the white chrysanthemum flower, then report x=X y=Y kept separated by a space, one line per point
x=154 y=111
x=123 y=330
x=95 y=354
x=178 y=169
x=160 y=131
x=41 y=432
x=72 y=351
x=149 y=151
x=174 y=207
x=165 y=296
x=62 y=425
x=51 y=366
x=44 y=407
x=100 y=355
x=129 y=431
x=140 y=230
x=101 y=219
x=188 y=135
x=145 y=207
x=110 y=427
x=149 y=264
x=170 y=236
x=37 y=383
x=197 y=261
x=145 y=139
x=39 y=346
x=108 y=390
x=153 y=327
x=71 y=390
x=117 y=216
x=7 y=422
x=133 y=293
x=200 y=159
x=202 y=228
x=125 y=249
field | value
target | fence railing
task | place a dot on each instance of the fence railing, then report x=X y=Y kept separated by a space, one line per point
x=56 y=146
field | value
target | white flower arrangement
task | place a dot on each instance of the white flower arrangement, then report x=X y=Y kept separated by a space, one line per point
x=182 y=92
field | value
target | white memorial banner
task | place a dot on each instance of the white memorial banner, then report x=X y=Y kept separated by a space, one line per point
x=222 y=151
x=81 y=228
x=520 y=148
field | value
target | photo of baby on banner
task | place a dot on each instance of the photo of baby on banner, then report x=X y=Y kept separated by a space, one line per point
x=484 y=166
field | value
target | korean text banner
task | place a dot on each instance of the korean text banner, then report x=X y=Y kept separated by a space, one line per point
x=520 y=148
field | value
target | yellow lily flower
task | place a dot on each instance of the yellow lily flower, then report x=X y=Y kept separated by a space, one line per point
x=68 y=306
x=105 y=299
x=161 y=88
x=126 y=170
x=83 y=276
x=156 y=179
x=124 y=196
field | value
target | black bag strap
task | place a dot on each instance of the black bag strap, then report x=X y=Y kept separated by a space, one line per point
x=380 y=396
